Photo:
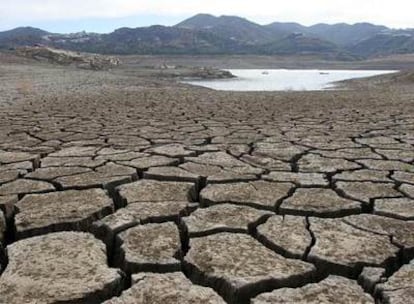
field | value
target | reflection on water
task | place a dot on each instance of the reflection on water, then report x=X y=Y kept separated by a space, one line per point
x=284 y=80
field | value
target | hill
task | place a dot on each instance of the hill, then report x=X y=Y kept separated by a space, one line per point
x=208 y=34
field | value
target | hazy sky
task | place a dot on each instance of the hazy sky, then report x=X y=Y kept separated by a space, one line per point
x=106 y=15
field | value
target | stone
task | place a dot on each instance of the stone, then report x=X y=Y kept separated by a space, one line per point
x=59 y=211
x=405 y=188
x=139 y=213
x=221 y=159
x=172 y=174
x=400 y=231
x=319 y=202
x=397 y=154
x=25 y=186
x=400 y=208
x=404 y=177
x=238 y=267
x=149 y=248
x=387 y=165
x=156 y=191
x=300 y=179
x=265 y=162
x=7 y=204
x=87 y=162
x=64 y=267
x=282 y=151
x=18 y=157
x=168 y=288
x=332 y=290
x=146 y=162
x=172 y=150
x=342 y=249
x=75 y=152
x=318 y=164
x=259 y=194
x=363 y=175
x=287 y=235
x=3 y=228
x=370 y=277
x=367 y=191
x=399 y=288
x=224 y=218
x=50 y=173
x=94 y=180
x=8 y=176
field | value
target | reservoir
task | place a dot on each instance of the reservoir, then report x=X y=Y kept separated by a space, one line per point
x=284 y=80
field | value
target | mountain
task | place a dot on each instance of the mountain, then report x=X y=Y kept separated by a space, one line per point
x=401 y=42
x=21 y=36
x=344 y=34
x=208 y=34
x=298 y=43
x=237 y=29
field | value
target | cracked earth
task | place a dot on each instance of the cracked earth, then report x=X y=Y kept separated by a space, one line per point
x=122 y=190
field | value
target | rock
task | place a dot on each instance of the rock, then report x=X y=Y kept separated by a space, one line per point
x=7 y=204
x=404 y=177
x=259 y=194
x=169 y=288
x=155 y=191
x=64 y=267
x=342 y=249
x=221 y=159
x=401 y=231
x=75 y=152
x=146 y=162
x=318 y=164
x=3 y=227
x=400 y=208
x=408 y=190
x=363 y=175
x=147 y=201
x=319 y=202
x=172 y=150
x=58 y=211
x=138 y=213
x=88 y=162
x=151 y=247
x=64 y=57
x=216 y=174
x=367 y=191
x=334 y=290
x=107 y=181
x=300 y=179
x=238 y=267
x=399 y=288
x=8 y=176
x=18 y=157
x=287 y=235
x=224 y=218
x=124 y=155
x=283 y=151
x=387 y=165
x=50 y=173
x=172 y=174
x=25 y=186
x=265 y=162
x=370 y=277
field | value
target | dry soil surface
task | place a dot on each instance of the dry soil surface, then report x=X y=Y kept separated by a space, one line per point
x=118 y=188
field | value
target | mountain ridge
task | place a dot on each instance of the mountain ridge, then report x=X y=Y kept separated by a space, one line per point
x=208 y=34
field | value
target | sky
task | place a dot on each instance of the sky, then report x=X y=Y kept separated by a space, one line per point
x=102 y=16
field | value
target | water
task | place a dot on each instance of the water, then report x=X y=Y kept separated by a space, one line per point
x=284 y=80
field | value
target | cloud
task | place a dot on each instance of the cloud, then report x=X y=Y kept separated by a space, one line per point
x=396 y=13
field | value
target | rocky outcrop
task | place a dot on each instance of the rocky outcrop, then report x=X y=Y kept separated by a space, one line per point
x=64 y=57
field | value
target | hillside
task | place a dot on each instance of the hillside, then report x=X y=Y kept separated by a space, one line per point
x=207 y=34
